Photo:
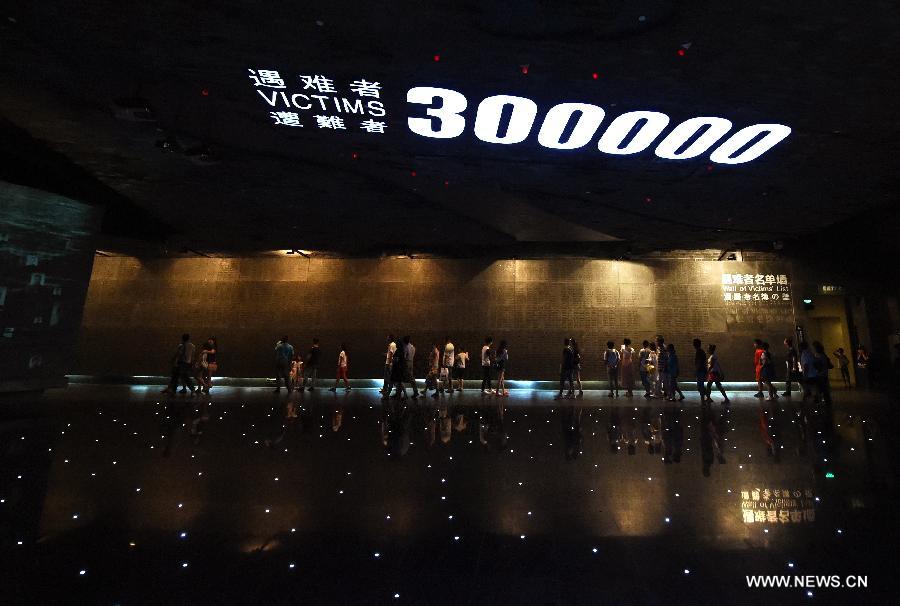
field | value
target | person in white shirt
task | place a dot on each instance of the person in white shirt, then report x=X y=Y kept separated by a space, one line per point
x=409 y=376
x=447 y=362
x=388 y=360
x=486 y=363
x=459 y=369
x=626 y=366
x=342 y=370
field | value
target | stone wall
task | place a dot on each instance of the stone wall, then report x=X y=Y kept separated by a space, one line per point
x=137 y=309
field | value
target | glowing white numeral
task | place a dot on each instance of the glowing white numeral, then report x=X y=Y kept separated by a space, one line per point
x=621 y=126
x=683 y=132
x=487 y=120
x=558 y=117
x=451 y=123
x=775 y=133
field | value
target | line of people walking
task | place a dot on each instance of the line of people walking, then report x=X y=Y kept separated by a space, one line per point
x=656 y=364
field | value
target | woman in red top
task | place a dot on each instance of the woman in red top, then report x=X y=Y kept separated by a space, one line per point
x=757 y=364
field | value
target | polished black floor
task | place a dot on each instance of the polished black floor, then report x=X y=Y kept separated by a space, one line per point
x=117 y=495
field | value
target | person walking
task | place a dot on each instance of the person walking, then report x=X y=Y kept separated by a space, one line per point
x=674 y=369
x=653 y=374
x=792 y=367
x=182 y=363
x=297 y=371
x=311 y=367
x=863 y=364
x=398 y=373
x=567 y=369
x=434 y=364
x=662 y=357
x=700 y=369
x=486 y=363
x=810 y=372
x=626 y=364
x=643 y=362
x=388 y=359
x=767 y=373
x=611 y=360
x=206 y=361
x=714 y=375
x=284 y=353
x=757 y=365
x=844 y=365
x=823 y=365
x=447 y=362
x=576 y=350
x=459 y=369
x=342 y=367
x=409 y=355
x=500 y=365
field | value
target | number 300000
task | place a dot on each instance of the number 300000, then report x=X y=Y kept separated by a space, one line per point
x=573 y=125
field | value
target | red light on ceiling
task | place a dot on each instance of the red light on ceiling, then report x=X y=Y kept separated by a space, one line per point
x=681 y=52
x=446 y=183
x=412 y=173
x=204 y=92
x=709 y=168
x=523 y=69
x=648 y=199
x=595 y=75
x=437 y=58
x=354 y=155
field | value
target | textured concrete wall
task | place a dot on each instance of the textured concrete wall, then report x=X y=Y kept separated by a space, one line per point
x=136 y=309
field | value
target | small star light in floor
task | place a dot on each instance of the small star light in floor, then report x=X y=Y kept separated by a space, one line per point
x=522 y=536
x=790 y=564
x=456 y=538
x=291 y=565
x=183 y=535
x=594 y=550
x=377 y=554
x=687 y=571
x=82 y=572
x=809 y=594
x=184 y=564
x=396 y=596
x=667 y=520
x=180 y=505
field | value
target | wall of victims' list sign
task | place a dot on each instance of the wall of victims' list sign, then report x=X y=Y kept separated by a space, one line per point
x=248 y=303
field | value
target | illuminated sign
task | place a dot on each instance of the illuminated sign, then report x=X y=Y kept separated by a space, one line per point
x=436 y=113
x=777 y=506
x=748 y=288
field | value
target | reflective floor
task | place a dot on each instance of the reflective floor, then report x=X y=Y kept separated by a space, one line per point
x=117 y=495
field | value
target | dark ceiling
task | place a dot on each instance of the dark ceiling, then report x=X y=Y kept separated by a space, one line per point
x=67 y=69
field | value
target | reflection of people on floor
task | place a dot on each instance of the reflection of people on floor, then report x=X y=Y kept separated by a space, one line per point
x=490 y=425
x=337 y=418
x=629 y=430
x=769 y=427
x=573 y=437
x=710 y=438
x=673 y=434
x=650 y=430
x=396 y=423
x=289 y=423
